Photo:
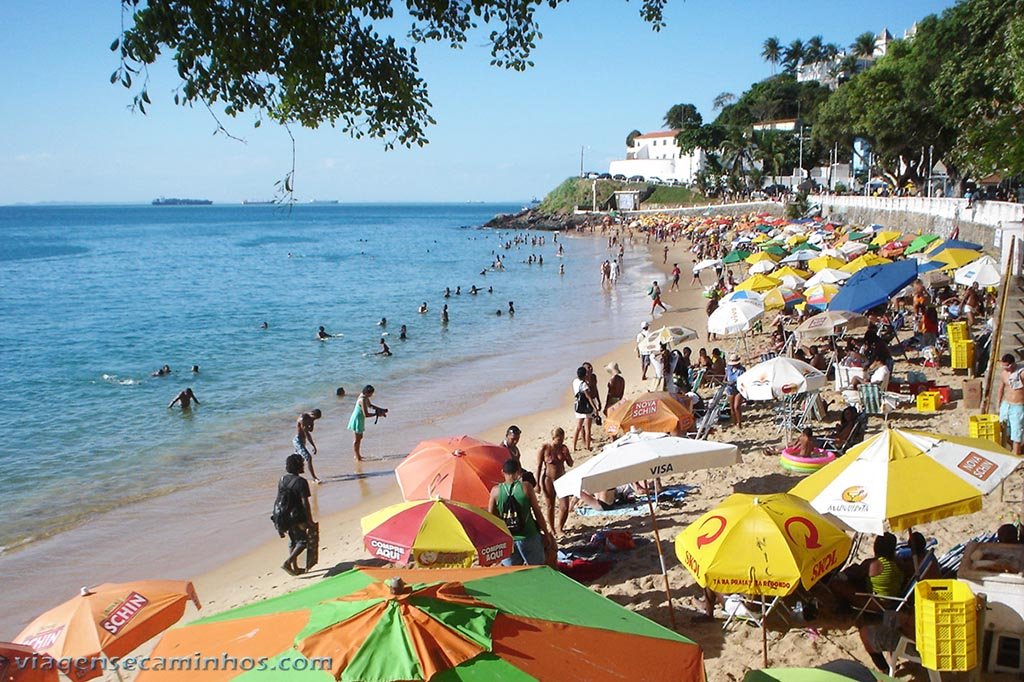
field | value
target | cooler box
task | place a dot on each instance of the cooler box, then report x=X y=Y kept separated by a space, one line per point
x=946 y=625
x=985 y=426
x=961 y=354
x=982 y=569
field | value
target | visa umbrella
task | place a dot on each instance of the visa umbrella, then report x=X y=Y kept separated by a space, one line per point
x=446 y=625
x=874 y=286
x=460 y=468
x=878 y=482
x=747 y=295
x=436 y=534
x=656 y=411
x=109 y=620
x=985 y=271
x=800 y=257
x=733 y=317
x=20 y=663
x=819 y=295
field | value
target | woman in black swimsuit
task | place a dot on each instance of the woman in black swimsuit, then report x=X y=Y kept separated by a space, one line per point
x=551 y=462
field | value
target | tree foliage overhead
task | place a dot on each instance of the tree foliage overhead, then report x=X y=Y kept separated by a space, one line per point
x=315 y=62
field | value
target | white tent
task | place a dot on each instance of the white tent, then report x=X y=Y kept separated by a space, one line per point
x=984 y=271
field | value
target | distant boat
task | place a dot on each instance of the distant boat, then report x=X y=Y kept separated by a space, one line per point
x=258 y=202
x=323 y=201
x=181 y=202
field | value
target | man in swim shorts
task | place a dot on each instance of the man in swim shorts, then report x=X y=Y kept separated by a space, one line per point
x=304 y=434
x=1011 y=401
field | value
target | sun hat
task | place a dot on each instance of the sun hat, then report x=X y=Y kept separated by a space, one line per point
x=613 y=368
x=645 y=325
x=734 y=359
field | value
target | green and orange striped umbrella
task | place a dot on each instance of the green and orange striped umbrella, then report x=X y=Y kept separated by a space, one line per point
x=449 y=625
x=435 y=534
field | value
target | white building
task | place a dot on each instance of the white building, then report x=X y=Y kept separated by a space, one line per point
x=658 y=155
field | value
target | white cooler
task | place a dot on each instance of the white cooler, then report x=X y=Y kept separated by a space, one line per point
x=1004 y=588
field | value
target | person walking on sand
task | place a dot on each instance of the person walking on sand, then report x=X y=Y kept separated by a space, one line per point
x=664 y=260
x=304 y=437
x=655 y=293
x=733 y=369
x=616 y=386
x=511 y=442
x=676 y=272
x=515 y=502
x=613 y=272
x=551 y=462
x=645 y=357
x=185 y=398
x=293 y=504
x=357 y=422
x=1011 y=401
x=583 y=408
x=606 y=272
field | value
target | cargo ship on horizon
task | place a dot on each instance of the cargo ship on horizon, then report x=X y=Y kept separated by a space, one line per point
x=181 y=202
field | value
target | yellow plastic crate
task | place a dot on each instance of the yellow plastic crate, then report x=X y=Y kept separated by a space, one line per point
x=929 y=401
x=985 y=426
x=946 y=625
x=956 y=331
x=962 y=354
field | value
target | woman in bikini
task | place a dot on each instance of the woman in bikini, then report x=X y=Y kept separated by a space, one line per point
x=551 y=461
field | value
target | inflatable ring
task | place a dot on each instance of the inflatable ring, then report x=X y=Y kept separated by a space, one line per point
x=821 y=460
x=789 y=466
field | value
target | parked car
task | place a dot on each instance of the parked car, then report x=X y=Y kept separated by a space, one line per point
x=604 y=176
x=635 y=178
x=619 y=176
x=655 y=180
x=591 y=175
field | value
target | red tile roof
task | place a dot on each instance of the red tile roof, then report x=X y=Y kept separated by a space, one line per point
x=661 y=133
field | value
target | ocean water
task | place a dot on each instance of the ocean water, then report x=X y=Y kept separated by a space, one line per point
x=93 y=299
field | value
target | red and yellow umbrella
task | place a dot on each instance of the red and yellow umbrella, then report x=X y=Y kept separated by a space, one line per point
x=436 y=534
x=24 y=664
x=461 y=468
x=109 y=620
x=657 y=412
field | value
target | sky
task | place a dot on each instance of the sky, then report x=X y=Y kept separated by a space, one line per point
x=68 y=134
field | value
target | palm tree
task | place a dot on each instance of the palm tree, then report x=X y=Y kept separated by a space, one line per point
x=794 y=54
x=772 y=52
x=830 y=51
x=813 y=50
x=723 y=100
x=863 y=46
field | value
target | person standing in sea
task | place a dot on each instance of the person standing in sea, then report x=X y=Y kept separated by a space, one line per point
x=357 y=422
x=304 y=436
x=185 y=398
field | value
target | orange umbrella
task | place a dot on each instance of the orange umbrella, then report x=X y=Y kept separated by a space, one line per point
x=24 y=664
x=653 y=411
x=110 y=620
x=461 y=468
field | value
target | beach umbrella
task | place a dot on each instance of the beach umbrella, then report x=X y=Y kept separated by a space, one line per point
x=761 y=256
x=779 y=378
x=654 y=411
x=762 y=267
x=764 y=545
x=857 y=235
x=820 y=295
x=884 y=237
x=782 y=297
x=669 y=336
x=793 y=281
x=640 y=457
x=460 y=468
x=775 y=250
x=940 y=246
x=521 y=623
x=790 y=270
x=747 y=295
x=735 y=256
x=831 y=323
x=806 y=246
x=852 y=249
x=853 y=672
x=758 y=283
x=436 y=534
x=879 y=482
x=864 y=261
x=109 y=620
x=828 y=276
x=708 y=263
x=955 y=258
x=825 y=261
x=874 y=285
x=733 y=317
x=799 y=257
x=985 y=271
x=920 y=242
x=20 y=663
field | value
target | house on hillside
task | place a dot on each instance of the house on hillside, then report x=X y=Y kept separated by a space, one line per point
x=657 y=155
x=829 y=72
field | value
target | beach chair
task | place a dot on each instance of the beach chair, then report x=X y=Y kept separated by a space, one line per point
x=906 y=650
x=696 y=379
x=765 y=357
x=877 y=603
x=754 y=610
x=710 y=418
x=856 y=436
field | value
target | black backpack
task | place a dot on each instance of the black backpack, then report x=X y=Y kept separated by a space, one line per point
x=288 y=509
x=582 y=405
x=511 y=513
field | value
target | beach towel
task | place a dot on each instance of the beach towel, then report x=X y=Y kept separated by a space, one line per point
x=632 y=509
x=672 y=493
x=585 y=570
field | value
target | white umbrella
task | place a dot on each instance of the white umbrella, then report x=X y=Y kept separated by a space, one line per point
x=747 y=295
x=642 y=456
x=762 y=267
x=828 y=276
x=831 y=323
x=707 y=263
x=734 y=316
x=984 y=271
x=801 y=256
x=852 y=249
x=793 y=281
x=670 y=336
x=779 y=378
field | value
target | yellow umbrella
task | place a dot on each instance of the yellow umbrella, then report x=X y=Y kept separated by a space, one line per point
x=759 y=283
x=880 y=480
x=885 y=236
x=820 y=294
x=796 y=239
x=781 y=297
x=957 y=258
x=790 y=270
x=761 y=238
x=760 y=256
x=862 y=262
x=822 y=262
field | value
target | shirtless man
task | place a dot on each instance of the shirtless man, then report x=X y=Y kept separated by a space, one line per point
x=304 y=434
x=1011 y=401
x=971 y=303
x=186 y=398
x=551 y=462
x=385 y=351
x=676 y=272
x=511 y=441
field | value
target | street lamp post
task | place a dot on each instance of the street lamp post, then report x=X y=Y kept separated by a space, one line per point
x=931 y=166
x=581 y=159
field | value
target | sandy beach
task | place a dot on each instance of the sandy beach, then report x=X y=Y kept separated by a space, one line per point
x=634 y=581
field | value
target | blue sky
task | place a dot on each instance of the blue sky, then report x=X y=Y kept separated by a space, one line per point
x=500 y=136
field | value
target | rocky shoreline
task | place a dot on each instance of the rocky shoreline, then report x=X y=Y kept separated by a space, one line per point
x=533 y=219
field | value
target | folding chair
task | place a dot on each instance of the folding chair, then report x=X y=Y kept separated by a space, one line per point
x=768 y=356
x=856 y=436
x=696 y=378
x=710 y=418
x=736 y=610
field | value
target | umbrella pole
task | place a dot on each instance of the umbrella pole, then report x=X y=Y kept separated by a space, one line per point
x=661 y=557
x=764 y=634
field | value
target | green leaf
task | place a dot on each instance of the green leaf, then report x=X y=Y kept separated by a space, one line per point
x=114 y=45
x=145 y=97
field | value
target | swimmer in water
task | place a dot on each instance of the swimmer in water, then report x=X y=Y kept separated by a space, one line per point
x=195 y=369
x=185 y=398
x=447 y=292
x=511 y=308
x=322 y=334
x=423 y=308
x=383 y=322
x=402 y=333
x=458 y=291
x=162 y=372
x=444 y=314
x=490 y=290
x=264 y=326
x=384 y=350
x=473 y=290
x=561 y=268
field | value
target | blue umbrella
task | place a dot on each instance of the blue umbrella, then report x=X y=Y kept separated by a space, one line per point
x=952 y=244
x=874 y=286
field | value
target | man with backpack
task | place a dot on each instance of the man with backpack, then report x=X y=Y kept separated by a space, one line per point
x=292 y=515
x=515 y=501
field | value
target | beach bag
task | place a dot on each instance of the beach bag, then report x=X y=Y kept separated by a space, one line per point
x=287 y=507
x=512 y=514
x=582 y=404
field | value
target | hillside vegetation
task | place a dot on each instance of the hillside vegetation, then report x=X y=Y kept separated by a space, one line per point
x=579 y=193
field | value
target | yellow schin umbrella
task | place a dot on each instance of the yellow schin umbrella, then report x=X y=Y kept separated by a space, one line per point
x=905 y=478
x=822 y=262
x=759 y=283
x=957 y=258
x=760 y=256
x=790 y=270
x=885 y=236
x=863 y=261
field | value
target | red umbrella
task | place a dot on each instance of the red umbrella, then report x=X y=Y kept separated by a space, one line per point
x=461 y=468
x=19 y=663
